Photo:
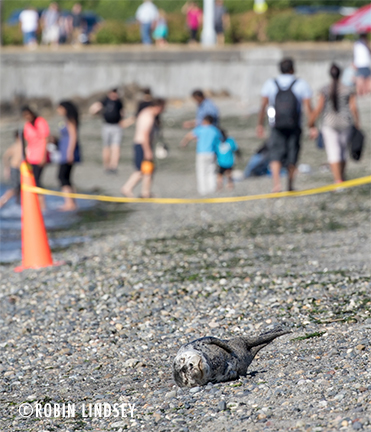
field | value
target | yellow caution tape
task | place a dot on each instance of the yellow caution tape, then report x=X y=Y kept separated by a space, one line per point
x=347 y=184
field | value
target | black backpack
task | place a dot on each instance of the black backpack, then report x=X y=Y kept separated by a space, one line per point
x=111 y=111
x=286 y=106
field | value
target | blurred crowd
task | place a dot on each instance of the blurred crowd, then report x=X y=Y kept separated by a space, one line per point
x=56 y=26
x=75 y=27
x=334 y=122
x=154 y=27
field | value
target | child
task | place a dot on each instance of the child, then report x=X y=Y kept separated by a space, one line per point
x=161 y=30
x=225 y=158
x=12 y=159
x=208 y=137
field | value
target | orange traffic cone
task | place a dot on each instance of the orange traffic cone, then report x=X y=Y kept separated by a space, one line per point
x=35 y=247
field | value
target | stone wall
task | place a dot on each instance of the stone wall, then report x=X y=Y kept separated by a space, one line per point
x=172 y=73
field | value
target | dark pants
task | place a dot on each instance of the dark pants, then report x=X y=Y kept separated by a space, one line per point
x=37 y=171
x=193 y=33
x=64 y=175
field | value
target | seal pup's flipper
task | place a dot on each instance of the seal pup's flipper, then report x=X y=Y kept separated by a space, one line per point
x=210 y=340
x=259 y=342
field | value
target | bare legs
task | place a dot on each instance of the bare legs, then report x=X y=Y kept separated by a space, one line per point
x=106 y=156
x=115 y=157
x=230 y=184
x=343 y=165
x=275 y=167
x=134 y=179
x=10 y=194
x=6 y=197
x=69 y=203
x=219 y=182
x=291 y=174
x=338 y=171
x=42 y=202
x=363 y=85
x=111 y=157
x=146 y=186
x=220 y=39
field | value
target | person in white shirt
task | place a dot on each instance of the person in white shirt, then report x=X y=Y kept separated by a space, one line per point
x=29 y=19
x=362 y=60
x=147 y=14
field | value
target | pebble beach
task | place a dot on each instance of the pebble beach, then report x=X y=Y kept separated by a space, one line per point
x=104 y=327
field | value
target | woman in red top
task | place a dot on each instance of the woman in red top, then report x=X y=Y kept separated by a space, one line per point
x=35 y=131
x=194 y=19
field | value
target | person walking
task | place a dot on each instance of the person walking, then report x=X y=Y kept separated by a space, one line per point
x=362 y=61
x=204 y=107
x=221 y=20
x=208 y=138
x=338 y=106
x=68 y=145
x=143 y=154
x=225 y=151
x=29 y=19
x=285 y=96
x=112 y=109
x=146 y=14
x=50 y=25
x=194 y=19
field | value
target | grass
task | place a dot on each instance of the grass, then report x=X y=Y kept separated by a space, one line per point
x=309 y=336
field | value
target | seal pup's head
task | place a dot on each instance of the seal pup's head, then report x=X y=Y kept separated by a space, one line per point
x=190 y=369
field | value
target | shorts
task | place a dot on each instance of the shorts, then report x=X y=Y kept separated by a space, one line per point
x=29 y=37
x=284 y=146
x=138 y=156
x=111 y=134
x=15 y=180
x=222 y=170
x=64 y=175
x=363 y=72
x=51 y=35
x=219 y=29
x=37 y=171
x=160 y=32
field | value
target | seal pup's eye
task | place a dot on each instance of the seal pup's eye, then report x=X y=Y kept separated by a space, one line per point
x=190 y=365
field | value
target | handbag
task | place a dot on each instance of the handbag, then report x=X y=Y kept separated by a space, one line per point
x=355 y=142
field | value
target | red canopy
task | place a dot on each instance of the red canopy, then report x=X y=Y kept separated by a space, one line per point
x=359 y=22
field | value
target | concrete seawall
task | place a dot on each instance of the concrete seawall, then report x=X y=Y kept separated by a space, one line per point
x=172 y=73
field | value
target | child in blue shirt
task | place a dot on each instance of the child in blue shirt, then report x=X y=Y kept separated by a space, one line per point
x=225 y=151
x=208 y=138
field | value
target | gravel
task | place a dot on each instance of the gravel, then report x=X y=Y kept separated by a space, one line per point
x=105 y=327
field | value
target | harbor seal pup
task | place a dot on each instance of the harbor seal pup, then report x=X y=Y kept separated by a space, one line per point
x=216 y=360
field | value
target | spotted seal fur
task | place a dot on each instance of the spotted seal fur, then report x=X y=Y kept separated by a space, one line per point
x=215 y=360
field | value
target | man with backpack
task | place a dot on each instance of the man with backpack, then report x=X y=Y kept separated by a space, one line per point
x=112 y=109
x=284 y=97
